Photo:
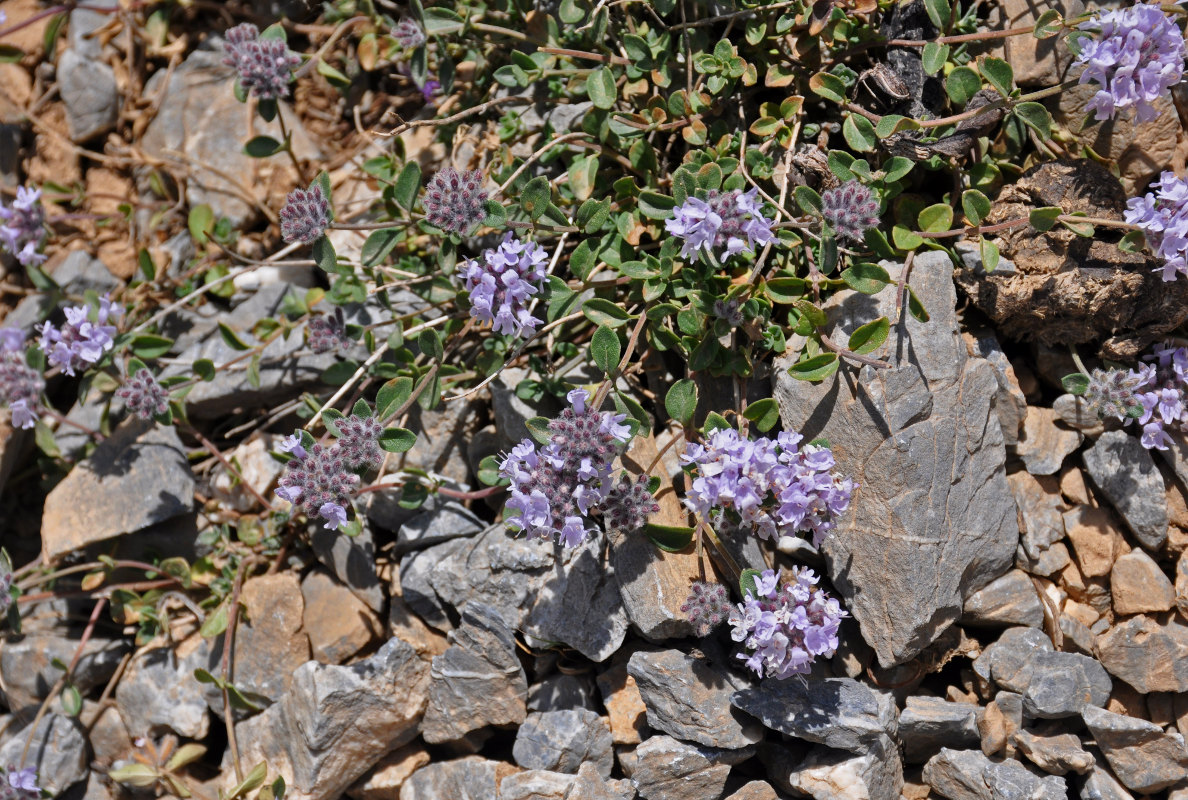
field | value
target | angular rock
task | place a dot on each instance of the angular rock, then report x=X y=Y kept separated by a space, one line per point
x=1181 y=583
x=352 y=560
x=1148 y=653
x=1096 y=540
x=970 y=775
x=1125 y=473
x=1006 y=661
x=158 y=693
x=451 y=521
x=579 y=603
x=27 y=673
x=689 y=700
x=837 y=712
x=1009 y=600
x=269 y=642
x=1102 y=785
x=536 y=784
x=927 y=724
x=136 y=477
x=589 y=785
x=336 y=722
x=1064 y=684
x=1044 y=444
x=470 y=778
x=478 y=681
x=89 y=94
x=1138 y=585
x=1037 y=62
x=561 y=692
x=1057 y=754
x=80 y=272
x=442 y=437
x=337 y=622
x=624 y=705
x=561 y=741
x=1074 y=412
x=1040 y=508
x=917 y=540
x=663 y=768
x=383 y=781
x=256 y=468
x=755 y=790
x=1143 y=757
x=1002 y=717
x=1010 y=405
x=58 y=751
x=826 y=774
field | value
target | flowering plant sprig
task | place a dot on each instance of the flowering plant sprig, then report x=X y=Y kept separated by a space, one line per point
x=21 y=383
x=731 y=219
x=22 y=231
x=1162 y=216
x=502 y=284
x=83 y=339
x=19 y=784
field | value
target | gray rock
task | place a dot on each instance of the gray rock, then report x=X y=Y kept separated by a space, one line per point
x=158 y=693
x=1126 y=474
x=418 y=587
x=1010 y=405
x=471 y=778
x=755 y=790
x=80 y=272
x=825 y=774
x=663 y=768
x=89 y=94
x=927 y=724
x=1005 y=661
x=1148 y=653
x=1009 y=600
x=512 y=412
x=690 y=700
x=451 y=521
x=1041 y=510
x=84 y=22
x=136 y=477
x=58 y=752
x=336 y=722
x=1057 y=754
x=562 y=741
x=837 y=712
x=560 y=692
x=1064 y=684
x=1074 y=412
x=970 y=775
x=28 y=674
x=442 y=437
x=1044 y=444
x=1051 y=560
x=934 y=519
x=536 y=784
x=352 y=560
x=478 y=681
x=579 y=603
x=589 y=785
x=1143 y=757
x=1101 y=785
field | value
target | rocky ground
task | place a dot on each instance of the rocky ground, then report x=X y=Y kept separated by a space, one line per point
x=1016 y=569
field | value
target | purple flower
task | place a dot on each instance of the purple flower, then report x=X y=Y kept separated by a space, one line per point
x=850 y=209
x=724 y=218
x=11 y=340
x=80 y=342
x=1136 y=59
x=334 y=514
x=503 y=283
x=319 y=478
x=628 y=505
x=1153 y=395
x=1163 y=218
x=455 y=201
x=292 y=444
x=143 y=395
x=23 y=231
x=265 y=65
x=431 y=89
x=20 y=385
x=305 y=215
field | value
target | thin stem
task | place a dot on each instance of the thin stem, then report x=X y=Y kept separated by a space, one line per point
x=280 y=118
x=850 y=354
x=226 y=668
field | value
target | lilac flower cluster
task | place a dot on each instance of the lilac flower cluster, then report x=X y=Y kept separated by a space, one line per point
x=850 y=209
x=408 y=34
x=455 y=201
x=502 y=283
x=785 y=627
x=723 y=216
x=1137 y=58
x=305 y=215
x=19 y=784
x=265 y=65
x=20 y=385
x=778 y=488
x=1163 y=218
x=358 y=439
x=80 y=342
x=555 y=489
x=1154 y=394
x=143 y=395
x=707 y=606
x=23 y=230
x=327 y=334
x=319 y=479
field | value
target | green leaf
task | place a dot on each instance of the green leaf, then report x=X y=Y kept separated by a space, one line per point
x=656 y=206
x=896 y=167
x=999 y=74
x=430 y=343
x=715 y=422
x=748 y=582
x=859 y=133
x=935 y=55
x=145 y=262
x=940 y=13
x=600 y=86
x=10 y=54
x=681 y=401
x=71 y=700
x=141 y=776
x=231 y=338
x=811 y=312
x=200 y=222
x=915 y=307
x=496 y=214
x=324 y=255
x=146 y=345
x=186 y=754
x=267 y=108
x=262 y=147
x=990 y=255
x=669 y=538
x=808 y=200
x=936 y=218
x=1132 y=242
x=539 y=428
x=606 y=349
x=1043 y=219
x=962 y=84
x=895 y=123
x=829 y=86
x=1077 y=383
x=204 y=368
x=392 y=395
x=360 y=408
x=488 y=471
x=536 y=197
x=253 y=781
x=637 y=49
x=870 y=336
x=397 y=440
x=1084 y=229
x=785 y=291
x=50 y=38
x=604 y=312
x=975 y=205
x=215 y=623
x=764 y=413
x=331 y=74
x=1048 y=24
x=1036 y=117
x=817 y=368
x=408 y=183
x=379 y=245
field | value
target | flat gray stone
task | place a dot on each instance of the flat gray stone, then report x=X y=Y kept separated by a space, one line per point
x=28 y=672
x=1144 y=758
x=561 y=741
x=971 y=775
x=80 y=272
x=663 y=768
x=1074 y=412
x=1044 y=444
x=58 y=752
x=927 y=724
x=1010 y=404
x=1057 y=754
x=1009 y=600
x=579 y=603
x=470 y=778
x=837 y=712
x=1064 y=684
x=157 y=692
x=560 y=692
x=826 y=774
x=589 y=785
x=451 y=521
x=89 y=94
x=478 y=681
x=536 y=784
x=1124 y=471
x=1006 y=660
x=933 y=520
x=1102 y=785
x=352 y=560
x=689 y=700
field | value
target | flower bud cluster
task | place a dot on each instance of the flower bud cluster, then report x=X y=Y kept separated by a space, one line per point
x=723 y=217
x=707 y=606
x=455 y=201
x=408 y=34
x=80 y=342
x=777 y=488
x=785 y=627
x=501 y=285
x=318 y=480
x=327 y=334
x=629 y=504
x=143 y=395
x=358 y=439
x=23 y=230
x=305 y=215
x=1154 y=395
x=556 y=489
x=20 y=385
x=1162 y=216
x=850 y=209
x=265 y=65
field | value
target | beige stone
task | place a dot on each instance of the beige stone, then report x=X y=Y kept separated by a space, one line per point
x=1148 y=652
x=995 y=729
x=1093 y=592
x=1074 y=488
x=269 y=642
x=1182 y=584
x=1138 y=585
x=384 y=780
x=1177 y=504
x=1082 y=613
x=1097 y=542
x=624 y=705
x=257 y=469
x=1125 y=700
x=1037 y=62
x=1044 y=444
x=337 y=622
